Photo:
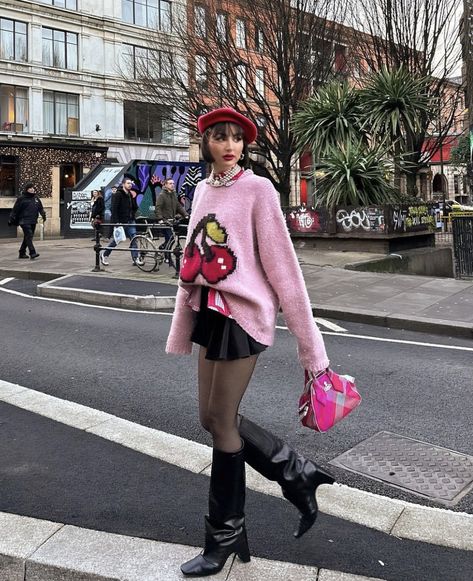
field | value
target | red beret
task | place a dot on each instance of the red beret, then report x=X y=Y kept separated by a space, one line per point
x=227 y=114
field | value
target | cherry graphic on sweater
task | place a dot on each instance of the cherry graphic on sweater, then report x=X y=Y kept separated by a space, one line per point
x=218 y=263
x=191 y=263
x=214 y=262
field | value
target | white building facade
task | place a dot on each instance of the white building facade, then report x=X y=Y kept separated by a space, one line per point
x=62 y=106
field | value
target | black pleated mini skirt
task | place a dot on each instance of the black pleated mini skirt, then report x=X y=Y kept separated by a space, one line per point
x=223 y=337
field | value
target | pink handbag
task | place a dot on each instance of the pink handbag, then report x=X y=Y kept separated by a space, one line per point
x=327 y=398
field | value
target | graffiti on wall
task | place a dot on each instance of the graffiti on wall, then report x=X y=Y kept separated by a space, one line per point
x=148 y=179
x=369 y=219
x=414 y=218
x=303 y=219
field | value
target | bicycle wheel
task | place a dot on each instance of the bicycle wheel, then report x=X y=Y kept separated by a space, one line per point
x=147 y=259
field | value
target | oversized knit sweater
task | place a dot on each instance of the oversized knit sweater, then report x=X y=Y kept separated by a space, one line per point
x=238 y=243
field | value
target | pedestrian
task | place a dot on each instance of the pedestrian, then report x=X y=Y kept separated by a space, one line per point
x=124 y=208
x=239 y=266
x=25 y=214
x=168 y=207
x=97 y=210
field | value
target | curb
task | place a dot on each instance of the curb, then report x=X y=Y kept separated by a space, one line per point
x=396 y=321
x=154 y=303
x=39 y=550
x=109 y=299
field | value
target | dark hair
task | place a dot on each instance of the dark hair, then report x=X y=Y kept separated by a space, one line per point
x=28 y=185
x=222 y=128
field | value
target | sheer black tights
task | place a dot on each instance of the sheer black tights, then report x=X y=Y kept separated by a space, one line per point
x=222 y=385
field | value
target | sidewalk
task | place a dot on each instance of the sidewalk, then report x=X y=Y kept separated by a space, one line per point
x=417 y=303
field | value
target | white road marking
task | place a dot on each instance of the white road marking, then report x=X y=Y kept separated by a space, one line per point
x=338 y=500
x=337 y=334
x=20 y=294
x=5 y=280
x=401 y=341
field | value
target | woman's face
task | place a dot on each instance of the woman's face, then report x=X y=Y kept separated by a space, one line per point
x=226 y=147
x=94 y=194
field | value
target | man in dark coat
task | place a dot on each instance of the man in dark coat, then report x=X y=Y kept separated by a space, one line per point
x=124 y=208
x=168 y=207
x=25 y=214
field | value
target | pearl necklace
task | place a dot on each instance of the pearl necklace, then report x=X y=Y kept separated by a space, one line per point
x=224 y=179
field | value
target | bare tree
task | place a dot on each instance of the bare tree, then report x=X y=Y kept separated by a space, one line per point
x=421 y=36
x=262 y=57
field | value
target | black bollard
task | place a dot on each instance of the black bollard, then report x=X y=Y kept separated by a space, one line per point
x=97 y=249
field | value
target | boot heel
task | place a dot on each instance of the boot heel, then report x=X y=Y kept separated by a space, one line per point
x=243 y=551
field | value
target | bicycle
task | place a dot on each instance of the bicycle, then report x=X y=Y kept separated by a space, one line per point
x=150 y=256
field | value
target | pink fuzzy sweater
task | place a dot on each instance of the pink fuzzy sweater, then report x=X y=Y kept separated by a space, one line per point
x=238 y=243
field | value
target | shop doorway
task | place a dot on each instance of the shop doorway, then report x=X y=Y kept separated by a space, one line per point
x=69 y=175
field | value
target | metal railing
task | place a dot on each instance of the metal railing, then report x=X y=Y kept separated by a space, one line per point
x=462 y=227
x=143 y=229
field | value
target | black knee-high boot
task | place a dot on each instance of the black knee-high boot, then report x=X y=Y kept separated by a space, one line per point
x=225 y=531
x=297 y=476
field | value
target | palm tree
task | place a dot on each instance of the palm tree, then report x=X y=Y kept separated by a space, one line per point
x=395 y=103
x=331 y=117
x=355 y=175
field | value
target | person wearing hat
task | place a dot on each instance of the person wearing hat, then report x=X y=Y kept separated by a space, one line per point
x=25 y=214
x=239 y=266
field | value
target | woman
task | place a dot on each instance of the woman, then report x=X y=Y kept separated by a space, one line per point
x=98 y=209
x=232 y=281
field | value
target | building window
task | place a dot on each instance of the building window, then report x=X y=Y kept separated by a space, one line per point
x=222 y=28
x=241 y=79
x=240 y=33
x=69 y=4
x=200 y=70
x=259 y=82
x=60 y=113
x=59 y=49
x=13 y=109
x=222 y=76
x=8 y=175
x=149 y=13
x=147 y=122
x=142 y=62
x=200 y=28
x=259 y=40
x=13 y=40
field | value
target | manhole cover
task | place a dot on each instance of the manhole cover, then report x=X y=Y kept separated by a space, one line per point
x=431 y=471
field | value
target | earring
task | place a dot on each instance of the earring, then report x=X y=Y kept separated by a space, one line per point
x=242 y=157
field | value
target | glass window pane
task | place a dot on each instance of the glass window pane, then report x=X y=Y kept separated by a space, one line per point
x=48 y=112
x=21 y=109
x=127 y=10
x=6 y=45
x=152 y=20
x=60 y=3
x=7 y=24
x=140 y=13
x=165 y=16
x=47 y=33
x=47 y=52
x=61 y=114
x=59 y=55
x=129 y=119
x=71 y=4
x=20 y=47
x=72 y=51
x=7 y=112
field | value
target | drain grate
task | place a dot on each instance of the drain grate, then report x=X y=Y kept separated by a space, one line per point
x=417 y=467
